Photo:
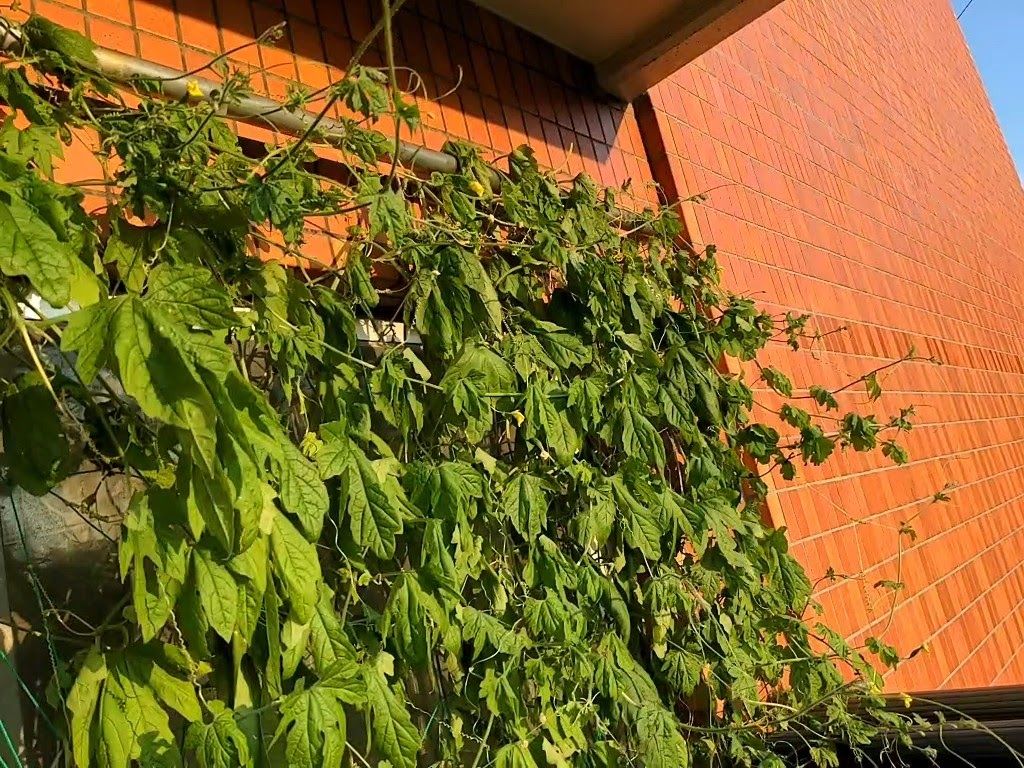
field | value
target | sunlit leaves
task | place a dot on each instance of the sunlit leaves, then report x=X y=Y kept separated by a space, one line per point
x=547 y=420
x=661 y=745
x=403 y=621
x=524 y=501
x=391 y=726
x=538 y=501
x=219 y=743
x=217 y=591
x=296 y=567
x=373 y=510
x=313 y=722
x=157 y=374
x=190 y=296
x=118 y=707
x=29 y=247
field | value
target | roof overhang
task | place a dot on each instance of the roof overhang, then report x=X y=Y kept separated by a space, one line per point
x=633 y=45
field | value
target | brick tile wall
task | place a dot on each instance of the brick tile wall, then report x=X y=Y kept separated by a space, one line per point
x=505 y=87
x=483 y=80
x=856 y=172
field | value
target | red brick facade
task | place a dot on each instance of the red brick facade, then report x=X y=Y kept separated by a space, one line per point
x=859 y=175
x=855 y=171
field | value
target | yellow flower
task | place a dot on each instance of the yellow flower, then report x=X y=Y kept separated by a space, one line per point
x=192 y=89
x=907 y=700
x=477 y=187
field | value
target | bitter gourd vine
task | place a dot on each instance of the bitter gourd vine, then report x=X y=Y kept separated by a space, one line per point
x=528 y=531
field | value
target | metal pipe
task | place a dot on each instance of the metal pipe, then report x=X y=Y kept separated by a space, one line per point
x=258 y=110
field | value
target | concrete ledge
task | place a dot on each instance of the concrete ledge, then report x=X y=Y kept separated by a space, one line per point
x=689 y=32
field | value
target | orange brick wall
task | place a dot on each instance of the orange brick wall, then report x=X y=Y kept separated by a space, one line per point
x=856 y=173
x=505 y=87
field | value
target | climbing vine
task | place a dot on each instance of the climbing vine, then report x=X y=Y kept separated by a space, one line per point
x=521 y=527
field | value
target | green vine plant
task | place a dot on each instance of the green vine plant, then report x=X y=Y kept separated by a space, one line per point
x=525 y=530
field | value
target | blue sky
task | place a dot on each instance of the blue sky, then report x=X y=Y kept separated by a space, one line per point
x=995 y=32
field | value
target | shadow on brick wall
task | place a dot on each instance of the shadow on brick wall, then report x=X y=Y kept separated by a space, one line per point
x=499 y=85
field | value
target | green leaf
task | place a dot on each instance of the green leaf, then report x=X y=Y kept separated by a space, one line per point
x=683 y=670
x=35 y=446
x=482 y=629
x=565 y=349
x=296 y=566
x=642 y=524
x=404 y=621
x=313 y=725
x=153 y=534
x=502 y=697
x=795 y=417
x=525 y=503
x=363 y=91
x=894 y=451
x=824 y=756
x=544 y=419
x=43 y=34
x=328 y=642
x=815 y=445
x=447 y=491
x=360 y=282
x=621 y=677
x=82 y=702
x=639 y=438
x=552 y=618
x=158 y=666
x=87 y=333
x=33 y=144
x=219 y=743
x=391 y=727
x=16 y=91
x=873 y=388
x=130 y=249
x=388 y=213
x=860 y=431
x=154 y=371
x=374 y=515
x=394 y=391
x=593 y=523
x=885 y=652
x=585 y=399
x=660 y=744
x=777 y=380
x=210 y=500
x=514 y=756
x=302 y=491
x=476 y=279
x=29 y=247
x=190 y=296
x=824 y=398
x=117 y=715
x=218 y=592
x=250 y=606
x=785 y=574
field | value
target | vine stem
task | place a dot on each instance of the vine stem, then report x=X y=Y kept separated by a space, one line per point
x=333 y=99
x=30 y=347
x=483 y=741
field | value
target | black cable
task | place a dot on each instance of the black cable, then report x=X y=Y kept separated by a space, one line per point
x=964 y=9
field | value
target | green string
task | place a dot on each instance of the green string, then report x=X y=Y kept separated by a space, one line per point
x=28 y=692
x=10 y=746
x=37 y=589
